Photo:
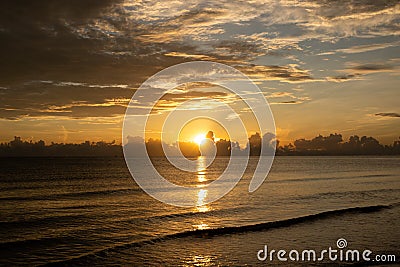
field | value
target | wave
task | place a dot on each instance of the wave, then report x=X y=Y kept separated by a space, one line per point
x=328 y=195
x=131 y=190
x=226 y=231
x=275 y=224
x=65 y=219
x=52 y=196
x=331 y=178
x=71 y=194
x=16 y=245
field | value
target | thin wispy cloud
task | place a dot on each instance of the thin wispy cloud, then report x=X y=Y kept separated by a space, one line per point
x=388 y=114
x=371 y=68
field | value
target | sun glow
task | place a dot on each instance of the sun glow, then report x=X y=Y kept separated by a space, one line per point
x=198 y=139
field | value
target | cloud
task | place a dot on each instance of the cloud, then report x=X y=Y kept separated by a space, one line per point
x=355 y=71
x=361 y=48
x=354 y=18
x=343 y=78
x=78 y=84
x=78 y=33
x=189 y=56
x=367 y=48
x=151 y=28
x=72 y=57
x=64 y=98
x=280 y=94
x=288 y=102
x=278 y=98
x=172 y=100
x=290 y=73
x=371 y=68
x=388 y=114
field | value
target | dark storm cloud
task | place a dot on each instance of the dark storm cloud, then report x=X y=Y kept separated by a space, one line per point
x=57 y=54
x=35 y=33
x=388 y=114
x=50 y=10
x=69 y=40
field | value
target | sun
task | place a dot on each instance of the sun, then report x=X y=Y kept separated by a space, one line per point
x=198 y=139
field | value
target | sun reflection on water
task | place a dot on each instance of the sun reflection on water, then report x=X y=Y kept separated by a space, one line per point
x=201 y=172
x=200 y=205
x=200 y=260
x=201 y=226
x=201 y=176
x=202 y=194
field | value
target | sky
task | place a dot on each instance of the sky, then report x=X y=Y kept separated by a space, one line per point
x=69 y=67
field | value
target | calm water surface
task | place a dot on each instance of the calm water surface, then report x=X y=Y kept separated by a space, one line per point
x=89 y=211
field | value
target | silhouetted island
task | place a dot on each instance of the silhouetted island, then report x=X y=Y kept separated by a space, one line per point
x=320 y=145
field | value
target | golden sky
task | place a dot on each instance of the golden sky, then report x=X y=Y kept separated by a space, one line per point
x=69 y=70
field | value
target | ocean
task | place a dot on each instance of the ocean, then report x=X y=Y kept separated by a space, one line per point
x=89 y=211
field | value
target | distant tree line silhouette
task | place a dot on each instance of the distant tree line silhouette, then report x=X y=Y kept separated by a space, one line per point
x=19 y=148
x=335 y=145
x=332 y=144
